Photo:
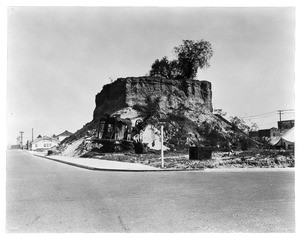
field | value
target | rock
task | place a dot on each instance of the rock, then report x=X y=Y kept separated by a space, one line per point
x=210 y=166
x=238 y=161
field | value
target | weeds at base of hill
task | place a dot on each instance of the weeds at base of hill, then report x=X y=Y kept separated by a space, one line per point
x=180 y=161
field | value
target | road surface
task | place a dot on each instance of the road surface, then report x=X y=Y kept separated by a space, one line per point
x=47 y=196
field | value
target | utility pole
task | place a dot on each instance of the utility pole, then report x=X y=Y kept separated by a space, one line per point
x=280 y=112
x=21 y=142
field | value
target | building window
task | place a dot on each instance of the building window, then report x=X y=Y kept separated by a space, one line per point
x=273 y=134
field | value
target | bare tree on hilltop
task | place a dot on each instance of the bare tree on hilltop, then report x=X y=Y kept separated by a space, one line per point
x=191 y=55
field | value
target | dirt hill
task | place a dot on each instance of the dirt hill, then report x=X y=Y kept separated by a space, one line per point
x=185 y=107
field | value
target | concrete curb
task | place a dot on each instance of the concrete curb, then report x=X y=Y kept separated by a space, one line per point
x=118 y=170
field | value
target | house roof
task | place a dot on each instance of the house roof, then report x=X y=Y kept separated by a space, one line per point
x=44 y=138
x=223 y=119
x=65 y=133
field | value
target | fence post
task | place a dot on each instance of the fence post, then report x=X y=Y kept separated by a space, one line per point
x=162 y=144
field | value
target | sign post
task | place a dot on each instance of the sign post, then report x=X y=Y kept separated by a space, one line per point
x=162 y=144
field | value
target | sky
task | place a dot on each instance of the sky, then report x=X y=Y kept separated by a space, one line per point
x=59 y=58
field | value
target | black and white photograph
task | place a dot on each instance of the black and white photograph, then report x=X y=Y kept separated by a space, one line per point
x=150 y=119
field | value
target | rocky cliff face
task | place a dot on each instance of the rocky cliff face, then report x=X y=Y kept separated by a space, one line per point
x=126 y=92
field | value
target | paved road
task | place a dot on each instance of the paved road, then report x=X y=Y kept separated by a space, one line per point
x=47 y=196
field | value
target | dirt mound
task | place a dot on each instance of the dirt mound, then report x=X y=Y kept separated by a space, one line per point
x=184 y=109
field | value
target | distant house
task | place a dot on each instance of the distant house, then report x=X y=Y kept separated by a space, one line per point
x=44 y=143
x=285 y=125
x=63 y=135
x=15 y=147
x=228 y=124
x=271 y=133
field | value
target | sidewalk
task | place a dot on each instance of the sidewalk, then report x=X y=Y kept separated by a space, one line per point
x=97 y=164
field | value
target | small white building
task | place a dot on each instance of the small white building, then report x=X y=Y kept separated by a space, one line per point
x=44 y=143
x=63 y=135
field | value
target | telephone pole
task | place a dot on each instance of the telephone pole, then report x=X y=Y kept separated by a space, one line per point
x=280 y=112
x=21 y=142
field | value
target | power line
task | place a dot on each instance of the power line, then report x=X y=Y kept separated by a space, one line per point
x=289 y=112
x=261 y=117
x=260 y=114
x=270 y=113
